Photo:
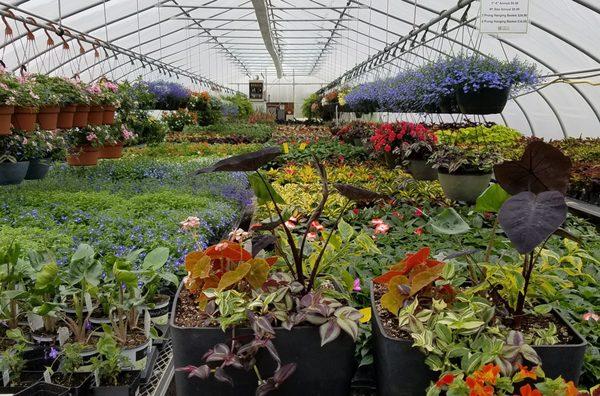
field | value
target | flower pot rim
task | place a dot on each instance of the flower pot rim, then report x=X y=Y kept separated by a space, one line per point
x=464 y=173
x=49 y=109
x=375 y=316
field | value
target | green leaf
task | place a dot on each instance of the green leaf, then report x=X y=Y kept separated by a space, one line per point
x=156 y=259
x=346 y=230
x=47 y=276
x=449 y=222
x=83 y=251
x=491 y=199
x=169 y=277
x=262 y=188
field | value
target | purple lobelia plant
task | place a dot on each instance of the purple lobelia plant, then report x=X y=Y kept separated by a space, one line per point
x=169 y=95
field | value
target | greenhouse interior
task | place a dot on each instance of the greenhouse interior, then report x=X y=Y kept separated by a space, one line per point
x=307 y=197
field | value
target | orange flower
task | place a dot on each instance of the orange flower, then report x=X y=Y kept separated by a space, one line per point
x=487 y=374
x=571 y=389
x=478 y=388
x=524 y=373
x=526 y=390
x=445 y=380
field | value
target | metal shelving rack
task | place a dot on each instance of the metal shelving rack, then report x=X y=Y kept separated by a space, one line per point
x=159 y=383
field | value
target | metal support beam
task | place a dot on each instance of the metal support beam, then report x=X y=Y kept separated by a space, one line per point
x=264 y=22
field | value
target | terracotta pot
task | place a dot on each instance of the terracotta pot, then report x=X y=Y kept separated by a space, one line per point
x=65 y=117
x=80 y=118
x=83 y=156
x=96 y=115
x=24 y=118
x=111 y=151
x=109 y=115
x=6 y=113
x=47 y=117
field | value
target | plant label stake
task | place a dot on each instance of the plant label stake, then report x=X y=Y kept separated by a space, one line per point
x=6 y=377
x=63 y=335
x=147 y=323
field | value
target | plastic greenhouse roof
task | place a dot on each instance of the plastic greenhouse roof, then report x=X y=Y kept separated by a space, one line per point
x=215 y=43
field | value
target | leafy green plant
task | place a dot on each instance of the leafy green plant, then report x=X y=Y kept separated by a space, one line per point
x=463 y=160
x=110 y=361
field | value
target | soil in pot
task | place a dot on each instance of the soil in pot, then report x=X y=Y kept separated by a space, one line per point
x=44 y=389
x=113 y=151
x=484 y=101
x=24 y=118
x=96 y=115
x=78 y=383
x=320 y=370
x=108 y=117
x=27 y=379
x=464 y=187
x=47 y=117
x=83 y=156
x=38 y=169
x=65 y=117
x=128 y=381
x=13 y=173
x=80 y=117
x=6 y=113
x=136 y=348
x=421 y=170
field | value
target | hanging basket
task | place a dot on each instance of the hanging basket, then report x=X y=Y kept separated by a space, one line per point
x=6 y=113
x=24 y=118
x=111 y=151
x=96 y=115
x=80 y=118
x=484 y=101
x=65 y=117
x=47 y=117
x=449 y=105
x=83 y=156
x=109 y=115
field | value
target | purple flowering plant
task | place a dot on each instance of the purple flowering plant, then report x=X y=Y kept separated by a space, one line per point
x=169 y=95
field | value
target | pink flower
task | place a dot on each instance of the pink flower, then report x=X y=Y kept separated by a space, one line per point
x=221 y=246
x=311 y=236
x=315 y=224
x=127 y=134
x=189 y=223
x=591 y=316
x=356 y=286
x=377 y=222
x=91 y=137
x=290 y=225
x=238 y=235
x=25 y=141
x=419 y=231
x=419 y=212
x=382 y=228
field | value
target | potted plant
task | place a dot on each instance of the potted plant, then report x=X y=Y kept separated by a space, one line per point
x=115 y=137
x=112 y=379
x=49 y=100
x=13 y=163
x=483 y=84
x=168 y=95
x=364 y=99
x=356 y=132
x=68 y=373
x=68 y=95
x=96 y=95
x=258 y=300
x=12 y=364
x=26 y=104
x=83 y=145
x=82 y=110
x=110 y=100
x=464 y=172
x=8 y=94
x=40 y=146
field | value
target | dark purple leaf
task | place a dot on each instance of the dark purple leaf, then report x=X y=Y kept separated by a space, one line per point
x=357 y=193
x=271 y=348
x=201 y=372
x=222 y=376
x=266 y=226
x=260 y=242
x=244 y=162
x=529 y=219
x=265 y=388
x=543 y=167
x=284 y=373
x=264 y=324
x=561 y=232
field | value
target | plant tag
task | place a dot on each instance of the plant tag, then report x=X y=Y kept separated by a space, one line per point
x=147 y=323
x=302 y=146
x=97 y=377
x=286 y=148
x=88 y=302
x=137 y=293
x=6 y=377
x=63 y=335
x=35 y=321
x=47 y=377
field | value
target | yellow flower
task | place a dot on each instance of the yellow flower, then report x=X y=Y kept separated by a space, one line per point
x=366 y=315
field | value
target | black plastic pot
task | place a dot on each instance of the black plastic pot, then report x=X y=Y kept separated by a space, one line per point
x=563 y=360
x=83 y=379
x=28 y=378
x=400 y=368
x=13 y=173
x=321 y=371
x=448 y=105
x=129 y=380
x=484 y=101
x=150 y=362
x=38 y=168
x=44 y=389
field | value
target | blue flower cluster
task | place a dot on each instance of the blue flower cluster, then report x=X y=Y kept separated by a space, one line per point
x=432 y=87
x=168 y=95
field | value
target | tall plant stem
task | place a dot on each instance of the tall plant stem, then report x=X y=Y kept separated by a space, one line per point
x=278 y=247
x=315 y=269
x=324 y=197
x=488 y=251
x=528 y=265
x=297 y=257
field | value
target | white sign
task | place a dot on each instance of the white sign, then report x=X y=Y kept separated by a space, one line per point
x=504 y=16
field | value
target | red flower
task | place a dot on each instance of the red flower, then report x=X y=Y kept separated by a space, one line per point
x=526 y=390
x=355 y=211
x=445 y=380
x=478 y=388
x=524 y=373
x=487 y=374
x=419 y=231
x=419 y=212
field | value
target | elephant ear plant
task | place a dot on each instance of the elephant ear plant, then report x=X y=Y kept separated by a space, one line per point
x=537 y=208
x=236 y=287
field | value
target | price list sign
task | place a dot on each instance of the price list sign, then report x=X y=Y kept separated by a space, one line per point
x=504 y=16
